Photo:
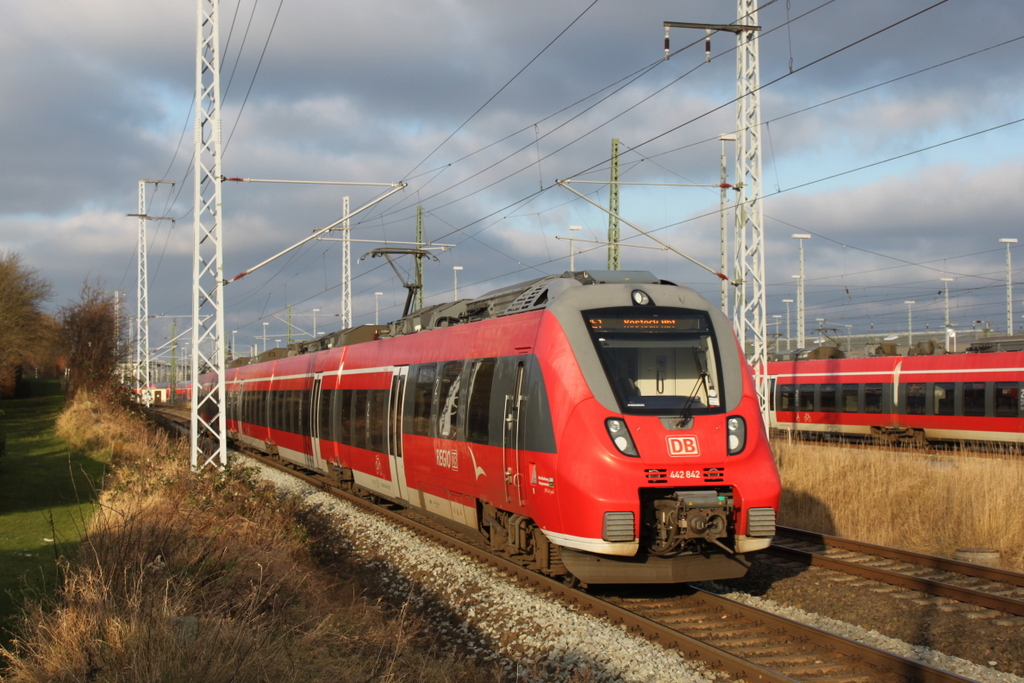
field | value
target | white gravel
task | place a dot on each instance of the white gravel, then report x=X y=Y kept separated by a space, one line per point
x=536 y=639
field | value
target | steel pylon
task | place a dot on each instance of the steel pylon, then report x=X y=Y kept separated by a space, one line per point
x=208 y=434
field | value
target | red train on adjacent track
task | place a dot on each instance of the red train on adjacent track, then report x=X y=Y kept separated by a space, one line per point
x=970 y=397
x=598 y=425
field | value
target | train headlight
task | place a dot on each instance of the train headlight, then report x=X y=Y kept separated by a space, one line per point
x=640 y=297
x=737 y=434
x=620 y=436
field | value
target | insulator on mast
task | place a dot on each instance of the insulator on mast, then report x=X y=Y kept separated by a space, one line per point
x=666 y=42
x=707 y=45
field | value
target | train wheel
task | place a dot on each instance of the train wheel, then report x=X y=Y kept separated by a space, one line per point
x=572 y=581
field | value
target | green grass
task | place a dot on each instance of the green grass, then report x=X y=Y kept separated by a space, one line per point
x=47 y=495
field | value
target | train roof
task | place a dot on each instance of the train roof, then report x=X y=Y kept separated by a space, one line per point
x=525 y=296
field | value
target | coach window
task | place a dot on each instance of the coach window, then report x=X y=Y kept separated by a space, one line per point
x=942 y=398
x=805 y=397
x=787 y=397
x=848 y=398
x=915 y=398
x=376 y=421
x=324 y=427
x=345 y=417
x=827 y=398
x=423 y=394
x=974 y=398
x=478 y=408
x=1006 y=399
x=359 y=405
x=448 y=400
x=872 y=398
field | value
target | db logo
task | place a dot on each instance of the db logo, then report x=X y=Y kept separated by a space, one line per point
x=683 y=446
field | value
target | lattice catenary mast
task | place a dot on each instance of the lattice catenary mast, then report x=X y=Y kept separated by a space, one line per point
x=750 y=311
x=140 y=372
x=208 y=437
x=749 y=302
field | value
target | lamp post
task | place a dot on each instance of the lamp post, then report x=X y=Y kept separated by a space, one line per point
x=910 y=324
x=800 y=237
x=778 y=323
x=799 y=311
x=376 y=307
x=233 y=333
x=1009 y=284
x=789 y=334
x=265 y=337
x=315 y=311
x=849 y=342
x=455 y=274
x=572 y=250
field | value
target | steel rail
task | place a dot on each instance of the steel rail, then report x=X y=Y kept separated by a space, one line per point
x=913 y=671
x=716 y=657
x=894 y=577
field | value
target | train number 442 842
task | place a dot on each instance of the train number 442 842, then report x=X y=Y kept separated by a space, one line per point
x=684 y=474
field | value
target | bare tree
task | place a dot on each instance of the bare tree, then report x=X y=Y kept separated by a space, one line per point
x=91 y=338
x=26 y=332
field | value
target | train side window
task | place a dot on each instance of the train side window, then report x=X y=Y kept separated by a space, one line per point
x=448 y=400
x=974 y=398
x=423 y=394
x=376 y=422
x=916 y=395
x=345 y=417
x=827 y=398
x=288 y=418
x=805 y=397
x=478 y=408
x=299 y=423
x=787 y=397
x=359 y=407
x=324 y=417
x=848 y=398
x=872 y=398
x=1006 y=399
x=942 y=398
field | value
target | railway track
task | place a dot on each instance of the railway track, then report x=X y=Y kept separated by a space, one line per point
x=970 y=584
x=748 y=643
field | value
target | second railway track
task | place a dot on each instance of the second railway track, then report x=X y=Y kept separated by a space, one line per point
x=971 y=584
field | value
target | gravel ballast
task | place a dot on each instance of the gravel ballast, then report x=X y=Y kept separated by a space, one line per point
x=532 y=638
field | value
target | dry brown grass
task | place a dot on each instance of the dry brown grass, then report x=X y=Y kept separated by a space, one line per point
x=206 y=577
x=928 y=504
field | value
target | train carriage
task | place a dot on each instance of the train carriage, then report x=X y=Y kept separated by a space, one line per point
x=602 y=425
x=951 y=397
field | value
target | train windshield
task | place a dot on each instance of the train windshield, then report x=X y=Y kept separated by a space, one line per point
x=658 y=360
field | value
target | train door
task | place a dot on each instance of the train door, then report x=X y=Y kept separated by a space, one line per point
x=313 y=427
x=514 y=408
x=395 y=440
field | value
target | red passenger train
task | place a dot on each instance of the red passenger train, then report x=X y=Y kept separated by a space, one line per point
x=597 y=425
x=952 y=397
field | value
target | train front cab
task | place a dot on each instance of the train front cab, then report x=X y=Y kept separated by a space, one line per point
x=664 y=469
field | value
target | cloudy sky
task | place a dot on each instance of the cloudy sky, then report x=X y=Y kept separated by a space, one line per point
x=891 y=133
